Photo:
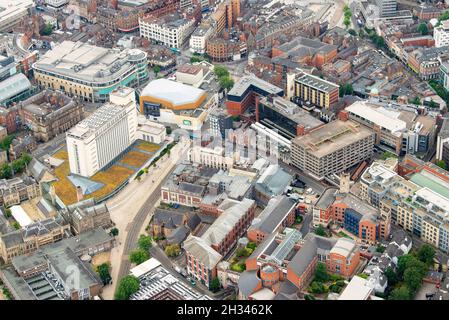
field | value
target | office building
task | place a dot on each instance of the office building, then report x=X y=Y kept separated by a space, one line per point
x=50 y=113
x=332 y=148
x=398 y=129
x=387 y=8
x=96 y=141
x=285 y=117
x=172 y=30
x=312 y=91
x=441 y=34
x=245 y=92
x=89 y=72
x=199 y=38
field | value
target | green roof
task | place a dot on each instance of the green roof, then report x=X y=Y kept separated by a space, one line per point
x=435 y=184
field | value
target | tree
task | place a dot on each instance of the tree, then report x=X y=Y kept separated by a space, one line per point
x=5 y=171
x=214 y=285
x=408 y=261
x=16 y=225
x=423 y=29
x=433 y=104
x=426 y=253
x=221 y=71
x=413 y=278
x=318 y=287
x=321 y=274
x=103 y=272
x=139 y=256
x=47 y=30
x=392 y=277
x=442 y=164
x=114 y=232
x=8 y=213
x=346 y=89
x=226 y=82
x=380 y=249
x=401 y=293
x=144 y=242
x=320 y=231
x=127 y=286
x=347 y=22
x=416 y=101
x=156 y=69
x=173 y=250
x=7 y=142
x=352 y=32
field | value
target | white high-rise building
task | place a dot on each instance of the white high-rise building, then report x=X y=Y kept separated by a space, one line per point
x=441 y=34
x=171 y=30
x=94 y=142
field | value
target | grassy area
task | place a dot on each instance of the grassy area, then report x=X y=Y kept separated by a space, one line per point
x=66 y=191
x=342 y=234
x=135 y=159
x=148 y=146
x=112 y=178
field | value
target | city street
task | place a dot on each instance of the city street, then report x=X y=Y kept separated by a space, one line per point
x=316 y=185
x=131 y=208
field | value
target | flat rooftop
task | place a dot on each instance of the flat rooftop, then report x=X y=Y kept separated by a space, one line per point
x=87 y=62
x=244 y=83
x=317 y=83
x=332 y=137
x=380 y=116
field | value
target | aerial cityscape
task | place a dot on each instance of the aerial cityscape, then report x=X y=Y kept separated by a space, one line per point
x=224 y=150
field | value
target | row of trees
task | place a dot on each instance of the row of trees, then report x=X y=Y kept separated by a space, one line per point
x=141 y=254
x=347 y=16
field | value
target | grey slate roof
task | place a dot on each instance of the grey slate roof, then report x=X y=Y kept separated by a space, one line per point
x=248 y=281
x=275 y=212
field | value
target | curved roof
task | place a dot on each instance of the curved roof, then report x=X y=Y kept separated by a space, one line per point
x=13 y=86
x=173 y=92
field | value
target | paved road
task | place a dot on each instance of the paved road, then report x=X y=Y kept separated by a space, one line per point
x=305 y=227
x=316 y=185
x=136 y=226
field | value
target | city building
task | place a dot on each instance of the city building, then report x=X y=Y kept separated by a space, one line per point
x=387 y=8
x=173 y=102
x=157 y=283
x=89 y=72
x=15 y=89
x=441 y=34
x=170 y=30
x=397 y=129
x=199 y=38
x=87 y=215
x=19 y=189
x=50 y=113
x=417 y=203
x=150 y=131
x=31 y=238
x=442 y=144
x=97 y=140
x=272 y=182
x=245 y=92
x=277 y=215
x=284 y=263
x=332 y=148
x=285 y=117
x=203 y=253
x=220 y=121
x=312 y=91
x=46 y=273
x=12 y=12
